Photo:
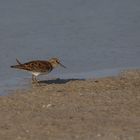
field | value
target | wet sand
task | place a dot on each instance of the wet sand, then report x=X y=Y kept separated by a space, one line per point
x=99 y=109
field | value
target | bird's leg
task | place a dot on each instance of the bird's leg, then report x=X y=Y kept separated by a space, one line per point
x=34 y=80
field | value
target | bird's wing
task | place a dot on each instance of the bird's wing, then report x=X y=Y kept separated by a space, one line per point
x=36 y=66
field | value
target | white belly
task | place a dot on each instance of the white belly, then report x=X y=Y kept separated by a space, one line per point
x=39 y=73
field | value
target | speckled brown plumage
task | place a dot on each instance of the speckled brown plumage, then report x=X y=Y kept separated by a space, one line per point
x=35 y=66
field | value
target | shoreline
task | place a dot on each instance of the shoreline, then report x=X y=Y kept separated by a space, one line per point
x=24 y=82
x=102 y=108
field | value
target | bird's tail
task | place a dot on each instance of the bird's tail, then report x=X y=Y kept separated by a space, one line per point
x=16 y=66
x=19 y=66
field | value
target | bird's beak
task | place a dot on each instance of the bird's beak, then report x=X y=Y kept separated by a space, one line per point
x=62 y=65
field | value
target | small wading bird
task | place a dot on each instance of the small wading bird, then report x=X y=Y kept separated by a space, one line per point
x=38 y=67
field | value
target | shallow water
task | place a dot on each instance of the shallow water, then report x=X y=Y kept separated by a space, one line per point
x=92 y=38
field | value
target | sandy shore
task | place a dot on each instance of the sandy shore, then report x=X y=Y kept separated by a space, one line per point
x=101 y=109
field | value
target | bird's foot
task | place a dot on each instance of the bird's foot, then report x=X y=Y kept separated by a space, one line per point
x=36 y=83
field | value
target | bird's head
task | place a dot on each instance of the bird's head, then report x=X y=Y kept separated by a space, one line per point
x=56 y=62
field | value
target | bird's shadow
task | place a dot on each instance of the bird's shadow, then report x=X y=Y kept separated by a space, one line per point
x=59 y=81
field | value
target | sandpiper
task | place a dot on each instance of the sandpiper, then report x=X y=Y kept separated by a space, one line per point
x=38 y=67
